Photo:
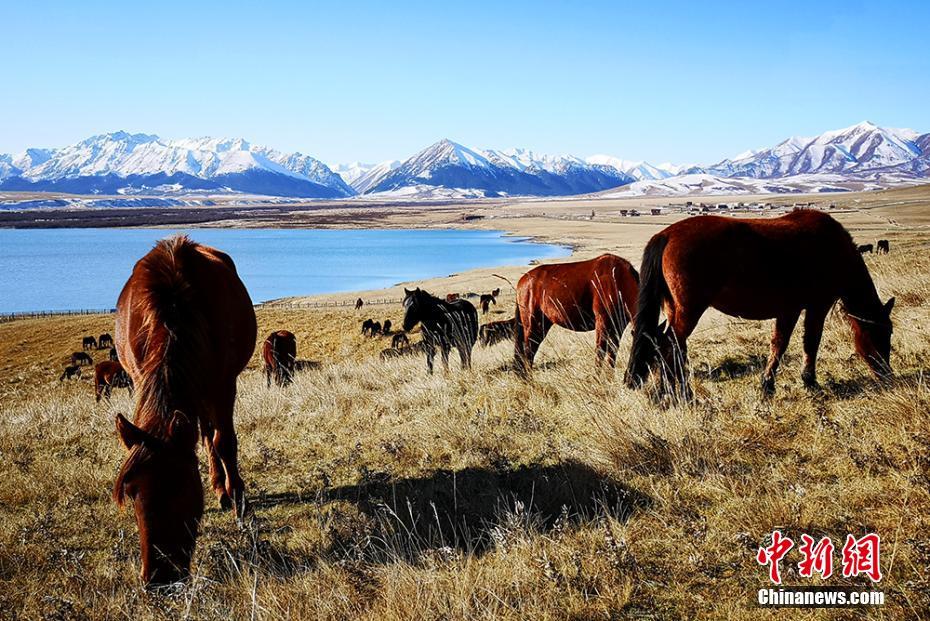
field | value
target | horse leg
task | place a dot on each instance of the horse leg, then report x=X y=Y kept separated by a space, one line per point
x=217 y=474
x=227 y=447
x=534 y=336
x=681 y=324
x=444 y=349
x=430 y=354
x=813 y=331
x=267 y=376
x=781 y=335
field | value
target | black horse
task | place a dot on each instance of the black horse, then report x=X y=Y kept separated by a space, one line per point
x=88 y=342
x=105 y=341
x=445 y=325
x=114 y=356
x=883 y=247
x=386 y=328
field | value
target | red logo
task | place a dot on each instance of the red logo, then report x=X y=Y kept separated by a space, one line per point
x=773 y=554
x=860 y=556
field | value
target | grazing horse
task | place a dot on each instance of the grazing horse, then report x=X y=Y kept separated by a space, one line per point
x=445 y=325
x=865 y=248
x=359 y=304
x=367 y=326
x=486 y=300
x=279 y=353
x=883 y=247
x=109 y=375
x=756 y=269
x=375 y=329
x=80 y=358
x=306 y=365
x=88 y=342
x=69 y=372
x=495 y=332
x=386 y=328
x=104 y=341
x=598 y=294
x=399 y=352
x=399 y=339
x=185 y=329
x=114 y=355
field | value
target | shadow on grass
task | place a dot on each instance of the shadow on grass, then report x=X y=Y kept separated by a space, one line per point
x=473 y=509
x=732 y=368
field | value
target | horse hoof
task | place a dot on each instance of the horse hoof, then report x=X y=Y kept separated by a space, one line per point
x=225 y=502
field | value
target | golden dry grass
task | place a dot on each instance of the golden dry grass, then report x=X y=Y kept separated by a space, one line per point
x=384 y=493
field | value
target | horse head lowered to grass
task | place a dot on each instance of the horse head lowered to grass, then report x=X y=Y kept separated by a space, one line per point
x=185 y=329
x=756 y=269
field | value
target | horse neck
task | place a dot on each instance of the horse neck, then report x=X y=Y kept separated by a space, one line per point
x=860 y=297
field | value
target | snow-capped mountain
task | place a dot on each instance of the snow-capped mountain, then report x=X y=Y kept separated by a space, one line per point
x=853 y=151
x=131 y=163
x=638 y=170
x=864 y=155
x=511 y=172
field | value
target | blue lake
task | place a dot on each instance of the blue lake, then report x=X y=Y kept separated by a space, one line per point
x=70 y=269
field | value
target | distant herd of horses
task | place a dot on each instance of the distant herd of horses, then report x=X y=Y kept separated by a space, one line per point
x=108 y=374
x=186 y=328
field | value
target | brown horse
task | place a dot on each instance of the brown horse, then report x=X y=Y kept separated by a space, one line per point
x=69 y=372
x=279 y=353
x=399 y=340
x=756 y=269
x=105 y=341
x=486 y=300
x=599 y=294
x=185 y=329
x=883 y=247
x=359 y=303
x=107 y=376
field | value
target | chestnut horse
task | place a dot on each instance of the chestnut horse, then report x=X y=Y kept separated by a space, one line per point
x=598 y=294
x=185 y=329
x=756 y=269
x=279 y=353
x=107 y=376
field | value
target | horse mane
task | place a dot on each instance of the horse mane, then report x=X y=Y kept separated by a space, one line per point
x=173 y=331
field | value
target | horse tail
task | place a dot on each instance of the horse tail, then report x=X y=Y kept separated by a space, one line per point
x=652 y=291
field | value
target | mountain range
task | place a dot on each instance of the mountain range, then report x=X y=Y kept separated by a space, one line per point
x=863 y=155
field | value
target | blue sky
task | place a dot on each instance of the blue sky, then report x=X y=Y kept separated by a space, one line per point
x=680 y=81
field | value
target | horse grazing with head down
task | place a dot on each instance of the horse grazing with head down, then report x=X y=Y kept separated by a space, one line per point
x=599 y=294
x=105 y=341
x=279 y=353
x=445 y=325
x=185 y=329
x=107 y=376
x=756 y=269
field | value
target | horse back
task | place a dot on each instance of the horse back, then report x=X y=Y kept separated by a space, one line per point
x=190 y=297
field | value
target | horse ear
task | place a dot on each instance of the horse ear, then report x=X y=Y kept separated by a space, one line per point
x=129 y=433
x=181 y=428
x=407 y=291
x=888 y=306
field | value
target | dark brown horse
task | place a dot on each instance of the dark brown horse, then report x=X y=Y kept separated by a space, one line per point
x=81 y=359
x=69 y=372
x=88 y=342
x=444 y=325
x=114 y=355
x=185 y=329
x=105 y=341
x=386 y=328
x=107 y=376
x=599 y=294
x=399 y=340
x=756 y=269
x=279 y=353
x=359 y=304
x=883 y=247
x=486 y=300
x=496 y=332
x=865 y=248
